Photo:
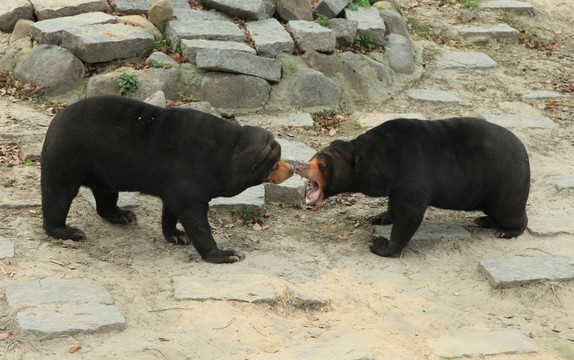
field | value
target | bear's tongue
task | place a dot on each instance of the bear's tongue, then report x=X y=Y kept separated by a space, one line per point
x=313 y=194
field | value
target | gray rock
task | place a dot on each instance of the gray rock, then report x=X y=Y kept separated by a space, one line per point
x=370 y=120
x=340 y=348
x=432 y=231
x=160 y=12
x=321 y=62
x=345 y=31
x=291 y=191
x=371 y=23
x=157 y=99
x=238 y=62
x=303 y=300
x=52 y=290
x=6 y=248
x=399 y=53
x=21 y=30
x=395 y=24
x=130 y=7
x=51 y=31
x=161 y=60
x=252 y=288
x=479 y=344
x=151 y=80
x=434 y=96
x=225 y=90
x=189 y=48
x=30 y=152
x=309 y=35
x=291 y=119
x=330 y=8
x=187 y=13
x=295 y=152
x=506 y=273
x=563 y=181
x=508 y=5
x=248 y=10
x=314 y=89
x=125 y=199
x=270 y=37
x=106 y=42
x=500 y=31
x=466 y=60
x=202 y=106
x=142 y=22
x=294 y=10
x=542 y=94
x=353 y=67
x=177 y=30
x=52 y=67
x=521 y=121
x=253 y=197
x=550 y=225
x=56 y=9
x=467 y=16
x=68 y=319
x=12 y=11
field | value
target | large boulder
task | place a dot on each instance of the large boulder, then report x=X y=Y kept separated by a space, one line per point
x=224 y=90
x=50 y=9
x=314 y=89
x=13 y=10
x=295 y=10
x=52 y=67
x=160 y=12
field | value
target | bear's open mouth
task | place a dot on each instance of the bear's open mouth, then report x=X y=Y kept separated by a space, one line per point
x=314 y=194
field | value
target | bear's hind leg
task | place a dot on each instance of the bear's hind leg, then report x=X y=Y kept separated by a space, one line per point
x=107 y=208
x=56 y=201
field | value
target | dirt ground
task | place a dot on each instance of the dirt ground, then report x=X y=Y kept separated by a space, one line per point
x=396 y=306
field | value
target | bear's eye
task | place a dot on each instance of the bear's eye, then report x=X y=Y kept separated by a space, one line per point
x=322 y=167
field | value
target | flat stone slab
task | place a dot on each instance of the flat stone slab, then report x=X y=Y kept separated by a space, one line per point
x=189 y=48
x=50 y=9
x=291 y=191
x=508 y=5
x=12 y=11
x=239 y=62
x=309 y=36
x=479 y=344
x=51 y=31
x=187 y=13
x=250 y=288
x=130 y=7
x=330 y=8
x=521 y=121
x=563 y=181
x=291 y=119
x=6 y=248
x=431 y=231
x=433 y=96
x=542 y=94
x=177 y=30
x=506 y=273
x=550 y=225
x=370 y=120
x=253 y=197
x=248 y=10
x=68 y=319
x=46 y=291
x=295 y=152
x=106 y=42
x=500 y=31
x=341 y=348
x=270 y=37
x=125 y=199
x=467 y=60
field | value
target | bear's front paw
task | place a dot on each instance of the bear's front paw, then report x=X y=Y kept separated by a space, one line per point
x=223 y=256
x=380 y=246
x=177 y=237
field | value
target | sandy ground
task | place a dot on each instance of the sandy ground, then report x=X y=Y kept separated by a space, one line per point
x=396 y=306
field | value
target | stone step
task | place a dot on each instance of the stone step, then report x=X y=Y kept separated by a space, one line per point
x=12 y=11
x=6 y=248
x=51 y=290
x=500 y=31
x=309 y=36
x=508 y=5
x=187 y=13
x=253 y=197
x=513 y=272
x=562 y=182
x=479 y=344
x=370 y=23
x=247 y=10
x=432 y=96
x=466 y=60
x=330 y=8
x=238 y=62
x=431 y=231
x=50 y=31
x=106 y=42
x=291 y=191
x=177 y=30
x=343 y=347
x=295 y=152
x=130 y=7
x=551 y=225
x=189 y=48
x=290 y=119
x=542 y=95
x=521 y=121
x=56 y=9
x=270 y=37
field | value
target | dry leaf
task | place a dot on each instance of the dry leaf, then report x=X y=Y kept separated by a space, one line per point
x=74 y=347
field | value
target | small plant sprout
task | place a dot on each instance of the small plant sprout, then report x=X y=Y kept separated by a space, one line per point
x=322 y=20
x=128 y=84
